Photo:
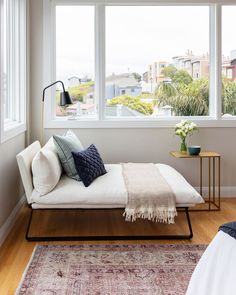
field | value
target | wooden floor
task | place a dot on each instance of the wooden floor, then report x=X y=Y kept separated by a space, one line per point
x=16 y=251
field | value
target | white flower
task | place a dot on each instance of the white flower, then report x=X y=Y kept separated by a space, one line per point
x=178 y=125
x=184 y=128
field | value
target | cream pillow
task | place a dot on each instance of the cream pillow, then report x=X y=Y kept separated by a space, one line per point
x=46 y=171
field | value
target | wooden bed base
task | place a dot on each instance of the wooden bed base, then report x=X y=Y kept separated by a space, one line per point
x=113 y=237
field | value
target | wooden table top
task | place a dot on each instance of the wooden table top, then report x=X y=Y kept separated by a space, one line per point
x=206 y=154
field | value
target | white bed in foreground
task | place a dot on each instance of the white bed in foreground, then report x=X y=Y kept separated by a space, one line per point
x=215 y=273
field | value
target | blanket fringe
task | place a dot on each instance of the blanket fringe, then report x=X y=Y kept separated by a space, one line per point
x=162 y=215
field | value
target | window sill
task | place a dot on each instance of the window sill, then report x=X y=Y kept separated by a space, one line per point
x=63 y=123
x=11 y=130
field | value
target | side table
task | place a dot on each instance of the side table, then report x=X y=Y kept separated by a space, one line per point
x=213 y=198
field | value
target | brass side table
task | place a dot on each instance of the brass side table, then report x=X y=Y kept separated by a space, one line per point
x=213 y=198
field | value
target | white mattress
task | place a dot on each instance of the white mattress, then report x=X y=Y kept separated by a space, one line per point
x=215 y=272
x=108 y=191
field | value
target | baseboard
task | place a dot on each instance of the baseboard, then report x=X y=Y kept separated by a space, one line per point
x=226 y=191
x=7 y=226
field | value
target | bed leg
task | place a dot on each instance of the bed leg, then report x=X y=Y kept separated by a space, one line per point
x=189 y=223
x=28 y=226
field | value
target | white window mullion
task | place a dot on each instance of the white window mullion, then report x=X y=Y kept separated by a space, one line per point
x=219 y=61
x=18 y=43
x=12 y=47
x=22 y=63
x=53 y=53
x=8 y=54
x=12 y=63
x=100 y=59
x=212 y=62
x=215 y=61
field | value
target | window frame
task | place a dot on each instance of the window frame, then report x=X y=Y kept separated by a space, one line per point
x=214 y=119
x=16 y=71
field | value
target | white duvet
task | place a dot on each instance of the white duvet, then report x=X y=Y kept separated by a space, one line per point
x=215 y=274
x=109 y=191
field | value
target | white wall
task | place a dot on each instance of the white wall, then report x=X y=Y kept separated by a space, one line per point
x=36 y=69
x=137 y=145
x=10 y=184
x=154 y=145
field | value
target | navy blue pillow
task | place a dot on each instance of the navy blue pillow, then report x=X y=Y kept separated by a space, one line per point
x=89 y=164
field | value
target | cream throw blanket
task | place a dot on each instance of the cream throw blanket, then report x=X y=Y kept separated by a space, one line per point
x=149 y=194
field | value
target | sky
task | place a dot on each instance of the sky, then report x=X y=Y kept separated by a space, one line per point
x=136 y=36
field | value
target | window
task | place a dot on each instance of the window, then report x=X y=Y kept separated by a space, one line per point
x=143 y=40
x=13 y=67
x=133 y=68
x=228 y=61
x=75 y=59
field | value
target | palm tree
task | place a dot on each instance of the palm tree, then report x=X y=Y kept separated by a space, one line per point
x=163 y=93
x=186 y=100
x=228 y=97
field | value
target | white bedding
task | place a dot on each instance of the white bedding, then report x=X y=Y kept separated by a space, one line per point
x=215 y=274
x=108 y=191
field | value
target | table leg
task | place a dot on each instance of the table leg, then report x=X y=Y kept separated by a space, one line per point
x=213 y=185
x=209 y=183
x=201 y=176
x=219 y=180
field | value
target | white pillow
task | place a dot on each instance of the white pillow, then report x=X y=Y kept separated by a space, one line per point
x=50 y=146
x=46 y=171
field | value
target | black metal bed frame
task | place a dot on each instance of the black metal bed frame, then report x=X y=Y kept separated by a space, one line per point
x=113 y=237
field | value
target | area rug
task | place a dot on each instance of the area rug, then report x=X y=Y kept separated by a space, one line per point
x=110 y=269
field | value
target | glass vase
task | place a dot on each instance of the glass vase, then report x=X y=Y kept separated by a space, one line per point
x=183 y=146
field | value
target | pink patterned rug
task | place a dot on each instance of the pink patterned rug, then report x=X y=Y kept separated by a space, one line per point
x=110 y=269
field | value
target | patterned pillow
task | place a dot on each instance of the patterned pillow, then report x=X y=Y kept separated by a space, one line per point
x=66 y=144
x=89 y=164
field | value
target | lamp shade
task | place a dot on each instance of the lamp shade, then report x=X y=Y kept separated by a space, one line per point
x=65 y=98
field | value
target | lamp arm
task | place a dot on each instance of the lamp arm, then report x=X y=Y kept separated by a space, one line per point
x=51 y=86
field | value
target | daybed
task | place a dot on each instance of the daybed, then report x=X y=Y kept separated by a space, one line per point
x=107 y=192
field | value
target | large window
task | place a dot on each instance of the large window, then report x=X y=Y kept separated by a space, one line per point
x=140 y=65
x=13 y=67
